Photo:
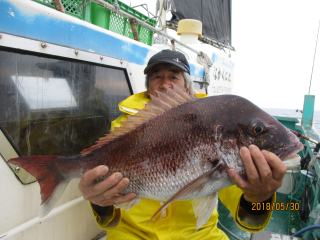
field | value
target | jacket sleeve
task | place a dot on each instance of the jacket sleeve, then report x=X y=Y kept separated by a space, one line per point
x=230 y=197
x=111 y=217
x=108 y=221
x=118 y=120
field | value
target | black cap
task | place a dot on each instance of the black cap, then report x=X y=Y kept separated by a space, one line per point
x=167 y=56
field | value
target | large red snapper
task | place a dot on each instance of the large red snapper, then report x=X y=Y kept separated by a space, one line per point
x=178 y=147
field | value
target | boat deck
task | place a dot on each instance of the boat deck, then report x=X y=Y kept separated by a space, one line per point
x=282 y=221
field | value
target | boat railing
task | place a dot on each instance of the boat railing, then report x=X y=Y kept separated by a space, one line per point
x=109 y=18
x=115 y=16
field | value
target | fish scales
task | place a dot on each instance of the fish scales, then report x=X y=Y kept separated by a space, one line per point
x=152 y=151
x=155 y=153
x=157 y=145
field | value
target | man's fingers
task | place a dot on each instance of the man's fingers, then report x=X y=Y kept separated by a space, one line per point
x=107 y=189
x=116 y=189
x=278 y=167
x=106 y=184
x=237 y=180
x=88 y=178
x=261 y=164
x=104 y=193
x=251 y=170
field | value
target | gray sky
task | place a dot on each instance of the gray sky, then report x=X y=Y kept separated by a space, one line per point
x=275 y=42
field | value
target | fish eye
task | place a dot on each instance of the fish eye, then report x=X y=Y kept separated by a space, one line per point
x=257 y=128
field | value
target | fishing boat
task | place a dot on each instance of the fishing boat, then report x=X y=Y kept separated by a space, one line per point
x=64 y=67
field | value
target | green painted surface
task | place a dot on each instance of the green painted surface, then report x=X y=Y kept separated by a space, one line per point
x=228 y=222
x=282 y=221
x=102 y=17
x=288 y=122
x=308 y=109
x=71 y=7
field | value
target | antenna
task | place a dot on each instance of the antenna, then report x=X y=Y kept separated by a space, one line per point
x=314 y=59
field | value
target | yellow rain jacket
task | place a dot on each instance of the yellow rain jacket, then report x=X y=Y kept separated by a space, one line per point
x=178 y=220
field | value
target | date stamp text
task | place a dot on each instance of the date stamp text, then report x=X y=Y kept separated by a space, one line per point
x=275 y=206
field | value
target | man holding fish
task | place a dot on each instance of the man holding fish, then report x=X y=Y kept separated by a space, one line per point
x=264 y=171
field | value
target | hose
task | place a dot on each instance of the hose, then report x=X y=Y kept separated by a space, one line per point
x=305 y=229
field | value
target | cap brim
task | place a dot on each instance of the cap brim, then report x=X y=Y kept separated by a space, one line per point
x=147 y=69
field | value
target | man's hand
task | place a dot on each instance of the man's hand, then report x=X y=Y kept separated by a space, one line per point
x=265 y=173
x=104 y=193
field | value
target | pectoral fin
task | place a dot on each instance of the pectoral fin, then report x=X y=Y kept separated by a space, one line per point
x=203 y=208
x=128 y=205
x=191 y=187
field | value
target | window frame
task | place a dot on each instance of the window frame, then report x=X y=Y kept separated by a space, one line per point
x=16 y=44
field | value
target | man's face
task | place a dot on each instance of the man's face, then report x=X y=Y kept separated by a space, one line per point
x=161 y=75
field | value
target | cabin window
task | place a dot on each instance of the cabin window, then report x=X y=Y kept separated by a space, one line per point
x=55 y=106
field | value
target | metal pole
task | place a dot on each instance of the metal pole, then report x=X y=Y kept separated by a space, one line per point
x=314 y=58
x=59 y=5
x=134 y=29
x=173 y=46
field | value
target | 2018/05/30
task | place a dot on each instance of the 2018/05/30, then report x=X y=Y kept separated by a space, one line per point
x=276 y=206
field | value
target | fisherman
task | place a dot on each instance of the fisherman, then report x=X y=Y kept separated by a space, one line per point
x=264 y=169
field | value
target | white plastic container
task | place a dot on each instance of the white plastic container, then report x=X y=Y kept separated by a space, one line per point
x=189 y=30
x=288 y=183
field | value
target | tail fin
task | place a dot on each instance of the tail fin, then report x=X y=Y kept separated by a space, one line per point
x=45 y=170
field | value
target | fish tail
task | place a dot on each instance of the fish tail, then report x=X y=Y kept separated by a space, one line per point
x=45 y=170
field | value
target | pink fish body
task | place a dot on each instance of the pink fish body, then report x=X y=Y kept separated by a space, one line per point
x=178 y=147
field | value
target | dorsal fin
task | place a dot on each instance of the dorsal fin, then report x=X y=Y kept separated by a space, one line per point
x=162 y=102
x=159 y=102
x=153 y=108
x=182 y=92
x=167 y=98
x=144 y=113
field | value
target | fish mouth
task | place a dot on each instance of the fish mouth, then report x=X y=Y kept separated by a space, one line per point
x=290 y=152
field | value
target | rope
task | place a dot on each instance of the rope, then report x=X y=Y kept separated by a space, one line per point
x=167 y=5
x=305 y=229
x=314 y=58
x=206 y=62
x=116 y=5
